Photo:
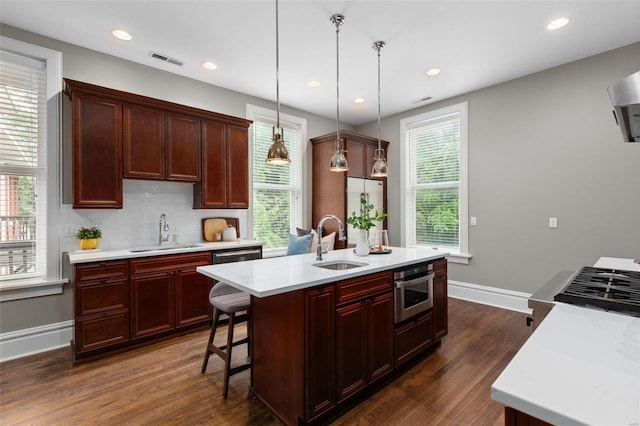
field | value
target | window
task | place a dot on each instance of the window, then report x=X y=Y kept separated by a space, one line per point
x=435 y=198
x=277 y=205
x=29 y=194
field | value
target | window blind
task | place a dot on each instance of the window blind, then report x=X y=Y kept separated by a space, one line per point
x=276 y=189
x=434 y=180
x=23 y=182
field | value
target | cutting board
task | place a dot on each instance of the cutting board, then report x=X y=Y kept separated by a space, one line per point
x=213 y=225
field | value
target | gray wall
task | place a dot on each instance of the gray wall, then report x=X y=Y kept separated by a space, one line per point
x=93 y=67
x=545 y=145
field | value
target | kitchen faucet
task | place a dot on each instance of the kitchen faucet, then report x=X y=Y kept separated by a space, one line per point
x=341 y=235
x=163 y=236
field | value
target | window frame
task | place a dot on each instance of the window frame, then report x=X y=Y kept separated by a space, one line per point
x=51 y=282
x=255 y=113
x=461 y=254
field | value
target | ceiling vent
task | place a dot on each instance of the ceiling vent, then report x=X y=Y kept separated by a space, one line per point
x=166 y=58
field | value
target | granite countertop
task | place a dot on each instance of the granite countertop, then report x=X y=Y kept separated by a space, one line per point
x=580 y=366
x=267 y=277
x=83 y=256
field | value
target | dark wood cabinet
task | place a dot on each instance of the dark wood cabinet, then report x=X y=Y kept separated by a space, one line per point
x=144 y=142
x=329 y=188
x=155 y=283
x=225 y=167
x=364 y=332
x=320 y=357
x=440 y=299
x=118 y=135
x=513 y=417
x=183 y=148
x=412 y=337
x=101 y=305
x=97 y=152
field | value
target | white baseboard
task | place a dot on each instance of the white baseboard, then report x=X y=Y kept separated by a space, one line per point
x=498 y=297
x=20 y=343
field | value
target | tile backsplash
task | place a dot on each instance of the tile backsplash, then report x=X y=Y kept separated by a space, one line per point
x=137 y=223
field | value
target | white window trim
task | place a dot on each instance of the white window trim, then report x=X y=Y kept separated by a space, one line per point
x=456 y=256
x=251 y=112
x=13 y=289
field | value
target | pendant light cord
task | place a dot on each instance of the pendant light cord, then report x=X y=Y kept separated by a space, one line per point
x=337 y=19
x=378 y=48
x=277 y=72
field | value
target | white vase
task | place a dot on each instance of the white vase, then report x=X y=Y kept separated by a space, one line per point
x=362 y=246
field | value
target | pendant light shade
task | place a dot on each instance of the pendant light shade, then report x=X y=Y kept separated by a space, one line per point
x=380 y=166
x=338 y=160
x=278 y=154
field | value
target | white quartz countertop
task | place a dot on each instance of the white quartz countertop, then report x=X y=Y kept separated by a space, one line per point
x=267 y=277
x=617 y=263
x=83 y=256
x=580 y=367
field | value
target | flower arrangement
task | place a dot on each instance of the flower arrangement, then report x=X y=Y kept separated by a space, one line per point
x=89 y=233
x=364 y=220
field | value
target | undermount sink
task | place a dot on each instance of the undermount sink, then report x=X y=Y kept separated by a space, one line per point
x=161 y=248
x=339 y=265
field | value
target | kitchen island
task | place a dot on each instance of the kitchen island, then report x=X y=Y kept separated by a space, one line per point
x=321 y=337
x=580 y=366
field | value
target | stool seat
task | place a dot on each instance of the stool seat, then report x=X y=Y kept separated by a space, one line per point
x=227 y=300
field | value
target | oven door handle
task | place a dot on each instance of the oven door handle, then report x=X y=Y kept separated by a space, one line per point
x=419 y=280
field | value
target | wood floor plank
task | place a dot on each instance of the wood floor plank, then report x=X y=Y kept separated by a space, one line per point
x=162 y=384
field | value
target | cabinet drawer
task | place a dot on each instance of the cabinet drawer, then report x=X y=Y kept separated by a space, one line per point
x=101 y=270
x=101 y=296
x=98 y=331
x=412 y=338
x=362 y=287
x=169 y=263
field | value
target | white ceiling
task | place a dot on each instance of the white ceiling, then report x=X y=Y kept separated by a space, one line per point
x=475 y=43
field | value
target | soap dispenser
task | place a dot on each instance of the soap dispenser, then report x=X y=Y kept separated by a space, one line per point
x=176 y=235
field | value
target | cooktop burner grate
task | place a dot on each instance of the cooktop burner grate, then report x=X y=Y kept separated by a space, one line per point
x=610 y=289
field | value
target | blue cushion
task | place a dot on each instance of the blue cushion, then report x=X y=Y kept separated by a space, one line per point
x=299 y=245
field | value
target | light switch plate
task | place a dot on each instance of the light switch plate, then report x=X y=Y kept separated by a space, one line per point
x=553 y=222
x=473 y=221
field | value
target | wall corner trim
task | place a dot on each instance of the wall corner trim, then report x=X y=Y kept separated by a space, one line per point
x=492 y=296
x=29 y=341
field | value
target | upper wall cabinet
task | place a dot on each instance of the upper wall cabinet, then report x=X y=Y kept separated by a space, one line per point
x=122 y=135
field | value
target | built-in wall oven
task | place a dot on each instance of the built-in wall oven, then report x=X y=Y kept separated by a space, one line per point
x=413 y=288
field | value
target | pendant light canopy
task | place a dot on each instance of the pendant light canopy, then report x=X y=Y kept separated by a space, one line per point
x=380 y=166
x=338 y=160
x=278 y=154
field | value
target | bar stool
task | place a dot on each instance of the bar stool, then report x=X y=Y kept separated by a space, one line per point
x=227 y=300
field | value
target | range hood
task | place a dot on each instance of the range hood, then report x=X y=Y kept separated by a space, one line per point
x=625 y=97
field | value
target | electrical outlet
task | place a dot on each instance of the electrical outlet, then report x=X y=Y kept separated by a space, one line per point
x=553 y=222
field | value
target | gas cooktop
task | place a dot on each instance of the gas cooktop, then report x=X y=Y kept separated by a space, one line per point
x=609 y=289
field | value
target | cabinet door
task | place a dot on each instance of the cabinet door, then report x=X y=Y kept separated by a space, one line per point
x=192 y=297
x=440 y=299
x=152 y=304
x=237 y=168
x=183 y=148
x=97 y=153
x=356 y=153
x=351 y=349
x=144 y=143
x=101 y=330
x=211 y=192
x=380 y=336
x=320 y=354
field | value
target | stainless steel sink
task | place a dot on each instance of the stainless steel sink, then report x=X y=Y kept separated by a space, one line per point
x=161 y=248
x=339 y=265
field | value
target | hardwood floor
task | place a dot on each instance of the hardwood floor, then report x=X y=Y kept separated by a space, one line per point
x=162 y=384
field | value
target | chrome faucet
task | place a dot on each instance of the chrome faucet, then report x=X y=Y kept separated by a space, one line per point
x=341 y=235
x=163 y=236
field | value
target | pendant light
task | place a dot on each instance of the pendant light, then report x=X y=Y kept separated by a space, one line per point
x=338 y=160
x=380 y=166
x=277 y=154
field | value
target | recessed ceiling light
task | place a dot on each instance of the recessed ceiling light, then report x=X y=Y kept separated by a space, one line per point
x=121 y=34
x=209 y=65
x=359 y=100
x=433 y=71
x=558 y=23
x=313 y=84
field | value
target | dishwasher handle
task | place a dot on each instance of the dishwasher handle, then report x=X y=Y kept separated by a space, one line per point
x=236 y=256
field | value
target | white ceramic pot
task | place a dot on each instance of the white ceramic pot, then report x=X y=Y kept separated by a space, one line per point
x=229 y=233
x=362 y=245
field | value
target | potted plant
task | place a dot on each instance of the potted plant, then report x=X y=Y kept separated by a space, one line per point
x=363 y=221
x=89 y=237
